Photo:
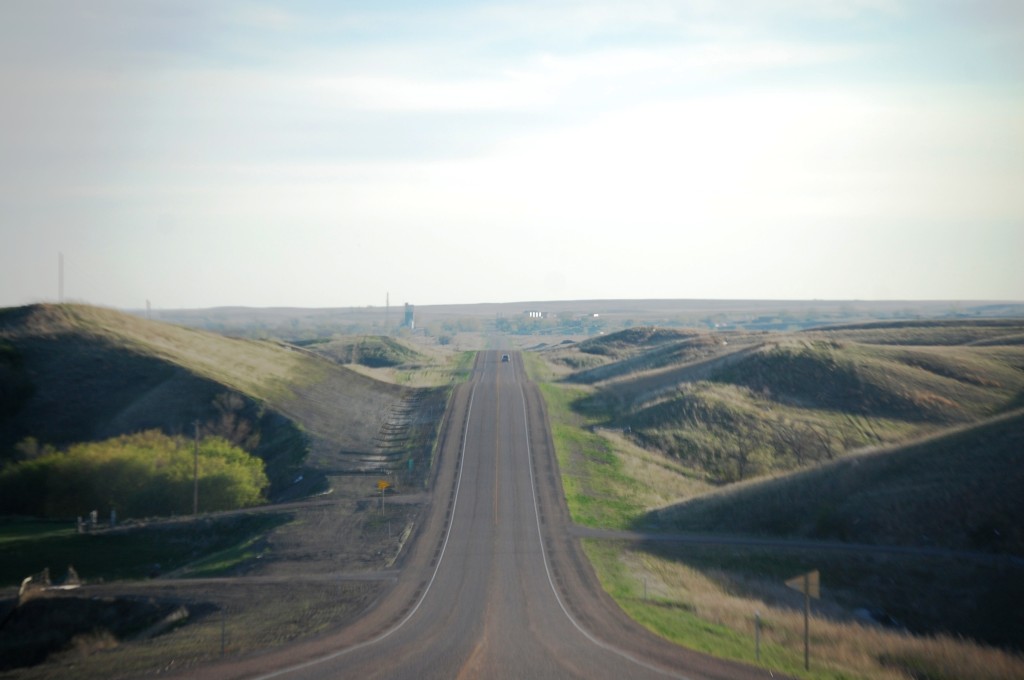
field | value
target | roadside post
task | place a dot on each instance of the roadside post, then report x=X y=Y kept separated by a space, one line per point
x=757 y=636
x=810 y=585
x=381 y=485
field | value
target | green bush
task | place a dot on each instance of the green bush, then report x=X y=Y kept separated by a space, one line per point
x=139 y=475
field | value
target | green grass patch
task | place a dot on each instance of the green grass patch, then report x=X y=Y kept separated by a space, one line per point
x=213 y=545
x=223 y=561
x=463 y=366
x=598 y=491
x=17 y=529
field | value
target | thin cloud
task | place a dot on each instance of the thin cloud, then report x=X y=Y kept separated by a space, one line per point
x=409 y=139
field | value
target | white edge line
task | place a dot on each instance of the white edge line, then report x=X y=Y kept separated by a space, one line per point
x=547 y=569
x=440 y=559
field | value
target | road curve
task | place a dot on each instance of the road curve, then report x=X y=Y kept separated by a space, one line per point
x=504 y=590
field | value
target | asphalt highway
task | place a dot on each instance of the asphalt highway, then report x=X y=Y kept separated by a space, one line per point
x=503 y=591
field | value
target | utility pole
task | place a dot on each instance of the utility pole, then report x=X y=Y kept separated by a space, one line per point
x=60 y=277
x=195 y=471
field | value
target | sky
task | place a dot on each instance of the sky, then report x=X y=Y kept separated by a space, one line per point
x=331 y=154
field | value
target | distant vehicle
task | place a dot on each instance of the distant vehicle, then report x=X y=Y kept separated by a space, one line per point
x=504 y=358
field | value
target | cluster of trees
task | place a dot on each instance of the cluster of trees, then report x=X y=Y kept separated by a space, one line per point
x=139 y=475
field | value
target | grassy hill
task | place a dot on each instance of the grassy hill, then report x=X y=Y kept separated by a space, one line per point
x=632 y=341
x=738 y=407
x=959 y=490
x=633 y=352
x=372 y=351
x=77 y=373
x=925 y=384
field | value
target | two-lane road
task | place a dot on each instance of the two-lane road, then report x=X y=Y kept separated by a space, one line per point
x=488 y=606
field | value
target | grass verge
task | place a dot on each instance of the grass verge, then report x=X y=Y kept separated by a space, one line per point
x=599 y=493
x=713 y=611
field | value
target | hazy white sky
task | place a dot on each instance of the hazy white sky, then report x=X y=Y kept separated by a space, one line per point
x=325 y=153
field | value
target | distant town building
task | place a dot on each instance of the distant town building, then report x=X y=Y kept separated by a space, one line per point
x=410 y=319
x=536 y=315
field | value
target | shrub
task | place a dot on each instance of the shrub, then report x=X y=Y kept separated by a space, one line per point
x=142 y=474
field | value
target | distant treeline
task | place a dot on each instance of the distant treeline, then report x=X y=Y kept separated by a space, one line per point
x=139 y=475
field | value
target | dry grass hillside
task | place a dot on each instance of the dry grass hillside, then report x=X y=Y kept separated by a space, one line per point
x=960 y=490
x=641 y=350
x=80 y=373
x=886 y=456
x=372 y=351
x=735 y=407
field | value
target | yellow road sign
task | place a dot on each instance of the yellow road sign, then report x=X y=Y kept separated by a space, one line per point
x=382 y=485
x=808 y=584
